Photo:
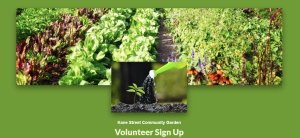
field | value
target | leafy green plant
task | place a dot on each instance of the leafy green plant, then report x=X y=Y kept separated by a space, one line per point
x=137 y=90
x=83 y=73
x=108 y=80
x=111 y=40
x=34 y=20
x=96 y=51
x=23 y=79
x=140 y=43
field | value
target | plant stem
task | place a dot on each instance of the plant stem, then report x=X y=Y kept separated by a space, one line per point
x=278 y=10
x=134 y=98
x=253 y=68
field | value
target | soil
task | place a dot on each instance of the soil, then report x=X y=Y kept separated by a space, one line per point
x=165 y=47
x=152 y=108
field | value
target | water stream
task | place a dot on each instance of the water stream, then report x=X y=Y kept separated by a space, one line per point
x=150 y=91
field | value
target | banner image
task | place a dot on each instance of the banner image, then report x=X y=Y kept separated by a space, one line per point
x=222 y=46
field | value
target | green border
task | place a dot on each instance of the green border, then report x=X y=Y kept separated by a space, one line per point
x=213 y=112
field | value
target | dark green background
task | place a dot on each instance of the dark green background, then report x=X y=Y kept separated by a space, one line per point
x=213 y=112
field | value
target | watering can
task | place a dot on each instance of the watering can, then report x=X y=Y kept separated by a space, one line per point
x=178 y=65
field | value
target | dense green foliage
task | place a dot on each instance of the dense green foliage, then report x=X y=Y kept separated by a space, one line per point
x=238 y=43
x=34 y=20
x=47 y=37
x=139 y=45
x=90 y=62
x=111 y=40
x=40 y=56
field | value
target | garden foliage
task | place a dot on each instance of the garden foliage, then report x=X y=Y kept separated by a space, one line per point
x=139 y=45
x=111 y=40
x=245 y=45
x=41 y=56
x=90 y=61
x=85 y=41
x=34 y=20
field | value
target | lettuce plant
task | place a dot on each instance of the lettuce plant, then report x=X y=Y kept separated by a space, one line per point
x=100 y=41
x=136 y=48
x=139 y=45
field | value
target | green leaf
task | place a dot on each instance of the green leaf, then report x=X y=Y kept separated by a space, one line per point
x=131 y=87
x=104 y=82
x=131 y=90
x=100 y=55
x=40 y=57
x=29 y=54
x=51 y=59
x=83 y=82
x=274 y=49
x=138 y=94
x=141 y=91
x=140 y=87
x=134 y=85
x=111 y=48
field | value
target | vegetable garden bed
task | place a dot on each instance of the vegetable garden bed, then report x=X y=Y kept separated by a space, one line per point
x=87 y=43
x=228 y=46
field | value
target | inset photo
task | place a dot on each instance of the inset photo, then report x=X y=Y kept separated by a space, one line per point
x=149 y=87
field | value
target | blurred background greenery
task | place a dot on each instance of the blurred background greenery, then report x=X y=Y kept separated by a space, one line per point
x=171 y=85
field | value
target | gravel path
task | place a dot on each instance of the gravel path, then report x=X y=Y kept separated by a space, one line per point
x=165 y=45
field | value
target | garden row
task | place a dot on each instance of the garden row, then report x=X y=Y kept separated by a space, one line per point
x=40 y=59
x=122 y=35
x=78 y=49
x=140 y=43
x=227 y=45
x=34 y=20
x=90 y=61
